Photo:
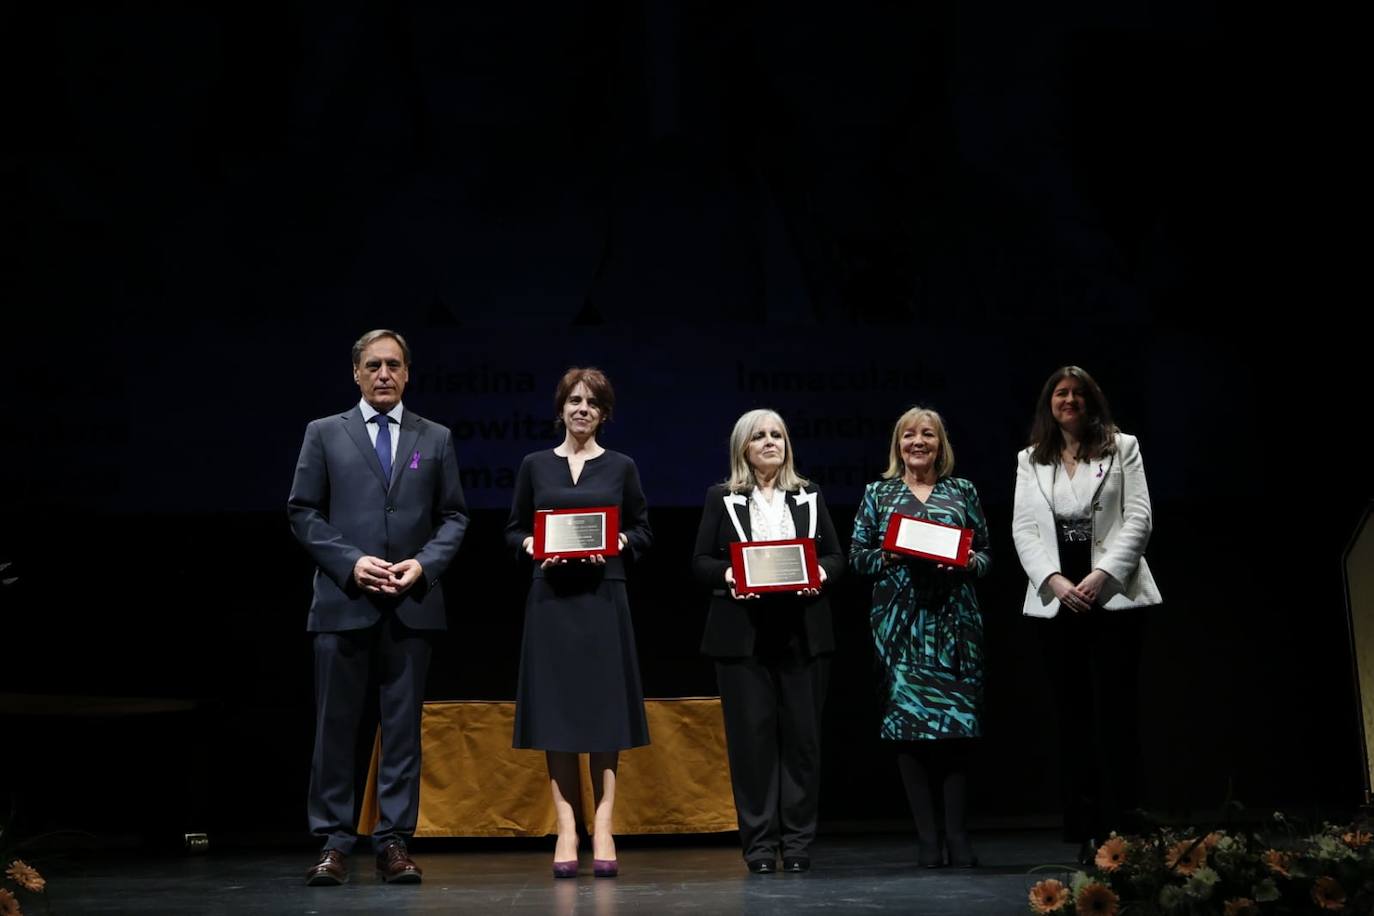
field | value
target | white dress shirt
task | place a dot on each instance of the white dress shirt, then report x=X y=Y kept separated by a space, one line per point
x=770 y=520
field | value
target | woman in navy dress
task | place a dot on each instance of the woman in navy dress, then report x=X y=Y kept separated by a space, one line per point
x=579 y=688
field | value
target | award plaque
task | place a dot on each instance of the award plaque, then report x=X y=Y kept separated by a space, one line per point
x=774 y=566
x=919 y=537
x=572 y=533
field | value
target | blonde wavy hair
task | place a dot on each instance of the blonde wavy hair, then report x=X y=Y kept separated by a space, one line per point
x=944 y=462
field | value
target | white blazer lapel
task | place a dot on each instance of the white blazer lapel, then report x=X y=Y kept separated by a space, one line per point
x=1044 y=476
x=808 y=500
x=1102 y=482
x=736 y=504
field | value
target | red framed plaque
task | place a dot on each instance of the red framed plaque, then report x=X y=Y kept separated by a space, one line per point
x=568 y=534
x=919 y=537
x=774 y=566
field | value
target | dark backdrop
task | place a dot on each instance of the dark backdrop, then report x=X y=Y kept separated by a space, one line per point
x=725 y=205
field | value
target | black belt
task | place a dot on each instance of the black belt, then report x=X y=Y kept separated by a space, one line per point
x=1074 y=530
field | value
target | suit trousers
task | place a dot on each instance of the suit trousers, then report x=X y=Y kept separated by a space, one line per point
x=1093 y=662
x=772 y=708
x=344 y=661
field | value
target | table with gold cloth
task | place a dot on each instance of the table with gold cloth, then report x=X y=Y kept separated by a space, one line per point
x=473 y=783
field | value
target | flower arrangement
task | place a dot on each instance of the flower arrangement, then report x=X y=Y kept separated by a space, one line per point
x=25 y=879
x=1184 y=873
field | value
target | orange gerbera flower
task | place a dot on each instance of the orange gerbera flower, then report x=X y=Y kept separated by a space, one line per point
x=1211 y=840
x=1186 y=857
x=1049 y=896
x=1097 y=898
x=25 y=875
x=1277 y=862
x=1328 y=894
x=1240 y=906
x=1357 y=839
x=1111 y=854
x=8 y=905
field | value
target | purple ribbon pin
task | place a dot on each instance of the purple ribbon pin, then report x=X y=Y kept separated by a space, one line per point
x=1099 y=467
x=415 y=461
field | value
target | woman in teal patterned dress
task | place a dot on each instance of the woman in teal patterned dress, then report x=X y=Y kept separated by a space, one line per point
x=927 y=629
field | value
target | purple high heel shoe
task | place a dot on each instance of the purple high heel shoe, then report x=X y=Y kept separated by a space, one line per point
x=568 y=867
x=605 y=868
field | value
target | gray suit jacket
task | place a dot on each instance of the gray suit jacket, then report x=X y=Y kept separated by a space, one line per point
x=341 y=509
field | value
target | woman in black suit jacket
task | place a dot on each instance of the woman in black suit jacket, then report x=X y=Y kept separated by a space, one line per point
x=772 y=652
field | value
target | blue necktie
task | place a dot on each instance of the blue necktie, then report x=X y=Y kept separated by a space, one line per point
x=384 y=444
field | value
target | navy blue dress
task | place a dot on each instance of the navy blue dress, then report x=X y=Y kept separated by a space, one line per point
x=579 y=689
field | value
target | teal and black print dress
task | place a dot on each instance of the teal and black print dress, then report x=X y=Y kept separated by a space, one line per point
x=927 y=629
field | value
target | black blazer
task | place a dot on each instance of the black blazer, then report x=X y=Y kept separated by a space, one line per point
x=731 y=625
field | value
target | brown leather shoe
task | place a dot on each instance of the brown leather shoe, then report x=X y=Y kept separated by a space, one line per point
x=330 y=871
x=394 y=865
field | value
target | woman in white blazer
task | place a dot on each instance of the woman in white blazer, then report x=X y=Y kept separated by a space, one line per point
x=1081 y=521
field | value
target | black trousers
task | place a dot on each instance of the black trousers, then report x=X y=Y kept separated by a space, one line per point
x=344 y=661
x=772 y=708
x=1093 y=662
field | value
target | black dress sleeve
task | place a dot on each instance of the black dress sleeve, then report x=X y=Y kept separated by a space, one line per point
x=521 y=522
x=634 y=514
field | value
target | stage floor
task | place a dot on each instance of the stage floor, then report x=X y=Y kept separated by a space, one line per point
x=851 y=874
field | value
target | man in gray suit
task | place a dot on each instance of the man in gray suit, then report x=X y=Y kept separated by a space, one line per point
x=377 y=503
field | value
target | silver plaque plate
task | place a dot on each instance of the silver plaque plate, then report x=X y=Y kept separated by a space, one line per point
x=572 y=531
x=785 y=565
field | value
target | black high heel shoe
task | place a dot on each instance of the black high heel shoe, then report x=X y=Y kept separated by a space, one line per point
x=929 y=854
x=961 y=854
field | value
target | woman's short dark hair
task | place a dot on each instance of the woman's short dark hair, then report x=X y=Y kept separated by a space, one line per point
x=597 y=384
x=1099 y=432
